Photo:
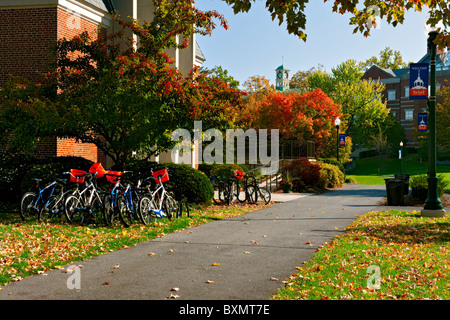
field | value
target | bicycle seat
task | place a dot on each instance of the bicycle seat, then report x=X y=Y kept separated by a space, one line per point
x=62 y=181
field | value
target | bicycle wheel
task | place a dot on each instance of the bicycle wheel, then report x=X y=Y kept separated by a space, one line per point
x=223 y=192
x=109 y=211
x=216 y=197
x=146 y=205
x=251 y=195
x=74 y=210
x=122 y=212
x=26 y=206
x=264 y=195
x=53 y=211
x=96 y=211
x=171 y=206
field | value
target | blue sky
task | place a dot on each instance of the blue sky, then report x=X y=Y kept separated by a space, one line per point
x=256 y=45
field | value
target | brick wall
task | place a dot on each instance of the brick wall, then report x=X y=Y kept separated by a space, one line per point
x=25 y=40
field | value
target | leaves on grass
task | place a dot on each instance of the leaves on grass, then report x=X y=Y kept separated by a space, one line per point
x=411 y=253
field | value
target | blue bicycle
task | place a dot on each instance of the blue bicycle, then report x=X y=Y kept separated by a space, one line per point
x=32 y=203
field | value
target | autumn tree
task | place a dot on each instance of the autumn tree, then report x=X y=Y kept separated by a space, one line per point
x=443 y=117
x=305 y=116
x=362 y=13
x=106 y=92
x=361 y=100
x=222 y=74
x=387 y=59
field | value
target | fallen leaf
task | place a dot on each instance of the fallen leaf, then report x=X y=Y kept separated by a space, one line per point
x=151 y=254
x=216 y=264
x=307 y=242
x=273 y=279
x=175 y=289
x=246 y=251
x=173 y=296
x=105 y=283
x=209 y=281
x=116 y=266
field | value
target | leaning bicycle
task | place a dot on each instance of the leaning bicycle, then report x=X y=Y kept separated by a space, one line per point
x=159 y=203
x=88 y=204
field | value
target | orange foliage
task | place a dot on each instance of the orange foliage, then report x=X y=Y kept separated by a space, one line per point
x=307 y=116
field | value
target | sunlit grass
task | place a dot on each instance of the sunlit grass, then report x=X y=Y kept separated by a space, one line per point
x=411 y=254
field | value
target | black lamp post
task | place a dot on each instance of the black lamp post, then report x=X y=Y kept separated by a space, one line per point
x=337 y=122
x=401 y=157
x=433 y=206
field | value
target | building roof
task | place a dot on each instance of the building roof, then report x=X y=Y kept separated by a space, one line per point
x=199 y=53
x=105 y=5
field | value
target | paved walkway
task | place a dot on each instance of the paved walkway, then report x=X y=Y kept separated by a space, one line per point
x=237 y=258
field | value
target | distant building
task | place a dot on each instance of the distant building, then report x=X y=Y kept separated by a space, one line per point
x=281 y=78
x=396 y=93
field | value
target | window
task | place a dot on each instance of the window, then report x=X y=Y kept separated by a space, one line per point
x=394 y=113
x=407 y=92
x=391 y=95
x=409 y=114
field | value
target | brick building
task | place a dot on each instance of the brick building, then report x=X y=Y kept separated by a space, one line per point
x=30 y=28
x=396 y=94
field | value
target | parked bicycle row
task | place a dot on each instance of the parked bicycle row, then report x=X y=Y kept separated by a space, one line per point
x=122 y=196
x=241 y=187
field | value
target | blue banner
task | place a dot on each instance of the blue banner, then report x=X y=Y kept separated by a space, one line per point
x=422 y=122
x=342 y=139
x=418 y=81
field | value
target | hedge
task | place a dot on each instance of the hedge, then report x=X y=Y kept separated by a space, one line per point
x=419 y=186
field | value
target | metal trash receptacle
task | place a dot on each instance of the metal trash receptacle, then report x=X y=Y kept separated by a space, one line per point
x=395 y=191
x=405 y=178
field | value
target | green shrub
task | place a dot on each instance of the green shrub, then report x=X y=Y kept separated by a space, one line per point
x=226 y=170
x=419 y=186
x=306 y=174
x=13 y=167
x=331 y=176
x=207 y=168
x=334 y=162
x=183 y=180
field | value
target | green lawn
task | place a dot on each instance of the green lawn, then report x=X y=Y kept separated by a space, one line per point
x=374 y=171
x=383 y=255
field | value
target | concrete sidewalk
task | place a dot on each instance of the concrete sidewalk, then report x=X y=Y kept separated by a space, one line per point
x=235 y=259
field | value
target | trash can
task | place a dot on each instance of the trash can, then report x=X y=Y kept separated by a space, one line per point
x=395 y=191
x=405 y=178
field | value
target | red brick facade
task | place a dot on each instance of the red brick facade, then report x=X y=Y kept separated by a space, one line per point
x=26 y=39
x=396 y=95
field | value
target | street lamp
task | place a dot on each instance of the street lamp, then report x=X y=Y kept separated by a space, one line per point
x=401 y=157
x=337 y=122
x=433 y=206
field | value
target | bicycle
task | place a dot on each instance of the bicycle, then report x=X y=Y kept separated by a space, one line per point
x=88 y=203
x=159 y=203
x=54 y=207
x=215 y=181
x=32 y=203
x=128 y=203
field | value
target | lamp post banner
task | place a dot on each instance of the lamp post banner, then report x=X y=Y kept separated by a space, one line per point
x=418 y=80
x=342 y=139
x=422 y=120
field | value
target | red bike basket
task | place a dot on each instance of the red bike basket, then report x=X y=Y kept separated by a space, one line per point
x=239 y=174
x=161 y=175
x=77 y=175
x=97 y=168
x=113 y=176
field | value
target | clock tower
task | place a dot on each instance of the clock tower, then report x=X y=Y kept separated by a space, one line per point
x=282 y=78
